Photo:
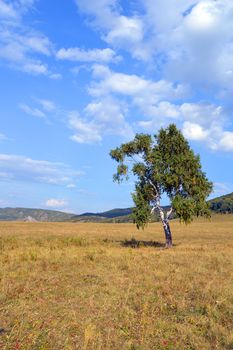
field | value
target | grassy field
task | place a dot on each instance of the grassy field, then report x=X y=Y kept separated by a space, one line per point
x=91 y=286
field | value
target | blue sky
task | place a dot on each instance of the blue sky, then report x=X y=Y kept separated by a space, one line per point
x=79 y=77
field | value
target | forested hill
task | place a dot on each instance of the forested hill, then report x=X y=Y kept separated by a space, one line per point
x=26 y=214
x=223 y=204
x=109 y=214
x=115 y=215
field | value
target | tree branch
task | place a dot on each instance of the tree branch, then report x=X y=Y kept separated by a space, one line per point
x=153 y=209
x=169 y=213
x=157 y=206
x=155 y=188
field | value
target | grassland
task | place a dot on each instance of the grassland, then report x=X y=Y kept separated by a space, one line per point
x=90 y=286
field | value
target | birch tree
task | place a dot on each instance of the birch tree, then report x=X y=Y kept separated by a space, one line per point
x=163 y=163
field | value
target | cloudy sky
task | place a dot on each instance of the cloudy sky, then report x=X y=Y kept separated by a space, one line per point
x=81 y=77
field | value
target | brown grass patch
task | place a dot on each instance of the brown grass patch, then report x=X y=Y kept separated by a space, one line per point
x=80 y=286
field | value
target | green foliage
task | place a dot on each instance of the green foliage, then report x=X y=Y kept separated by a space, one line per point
x=187 y=208
x=122 y=171
x=164 y=164
x=141 y=212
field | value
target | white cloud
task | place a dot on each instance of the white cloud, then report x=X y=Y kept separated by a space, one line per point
x=14 y=9
x=125 y=30
x=103 y=12
x=93 y=55
x=158 y=111
x=199 y=122
x=6 y=10
x=47 y=105
x=214 y=136
x=56 y=203
x=106 y=113
x=120 y=31
x=205 y=123
x=148 y=96
x=195 y=38
x=71 y=186
x=171 y=15
x=22 y=168
x=85 y=131
x=55 y=76
x=109 y=116
x=21 y=47
x=202 y=113
x=18 y=47
x=35 y=112
x=189 y=45
x=35 y=68
x=132 y=85
x=37 y=43
x=119 y=83
x=194 y=131
x=102 y=118
x=226 y=141
x=203 y=17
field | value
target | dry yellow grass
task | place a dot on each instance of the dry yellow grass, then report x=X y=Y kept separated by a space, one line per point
x=77 y=286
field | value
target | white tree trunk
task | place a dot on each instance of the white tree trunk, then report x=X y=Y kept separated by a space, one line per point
x=165 y=220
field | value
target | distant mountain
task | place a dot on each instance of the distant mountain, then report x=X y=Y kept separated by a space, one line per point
x=41 y=215
x=33 y=215
x=115 y=215
x=107 y=214
x=223 y=204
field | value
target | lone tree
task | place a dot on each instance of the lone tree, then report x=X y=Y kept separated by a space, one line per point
x=162 y=164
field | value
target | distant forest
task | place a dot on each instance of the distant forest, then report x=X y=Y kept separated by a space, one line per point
x=222 y=204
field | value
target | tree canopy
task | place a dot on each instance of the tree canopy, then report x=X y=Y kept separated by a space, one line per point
x=163 y=163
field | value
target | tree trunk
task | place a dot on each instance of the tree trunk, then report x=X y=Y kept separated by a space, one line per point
x=168 y=234
x=165 y=221
x=166 y=226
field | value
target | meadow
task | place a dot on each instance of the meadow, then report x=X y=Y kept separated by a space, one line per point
x=109 y=286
